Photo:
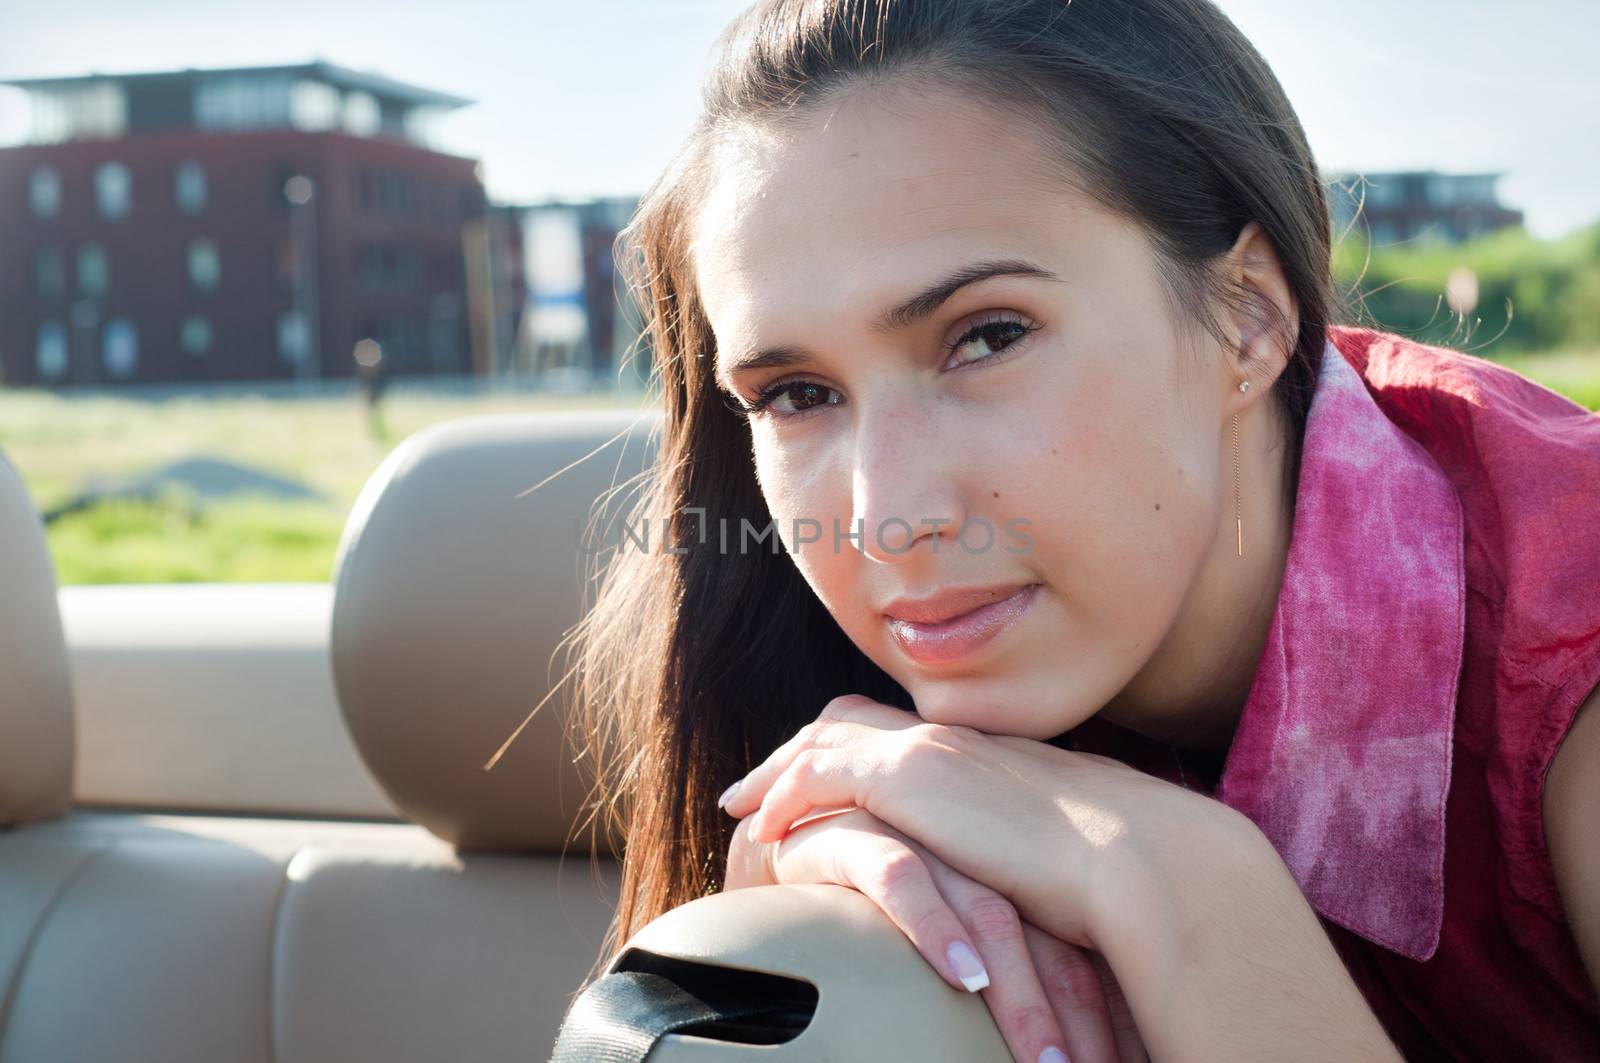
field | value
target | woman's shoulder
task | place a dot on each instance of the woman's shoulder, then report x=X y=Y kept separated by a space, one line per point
x=1487 y=425
x=1500 y=436
x=1441 y=395
x=1525 y=463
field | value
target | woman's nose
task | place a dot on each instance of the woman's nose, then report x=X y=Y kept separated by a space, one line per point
x=905 y=491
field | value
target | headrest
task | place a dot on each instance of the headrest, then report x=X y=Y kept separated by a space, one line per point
x=36 y=728
x=453 y=586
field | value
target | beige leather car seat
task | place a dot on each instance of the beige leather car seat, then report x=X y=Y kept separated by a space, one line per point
x=134 y=934
x=36 y=727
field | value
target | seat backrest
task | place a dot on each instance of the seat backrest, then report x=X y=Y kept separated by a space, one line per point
x=463 y=566
x=36 y=719
x=212 y=698
x=248 y=938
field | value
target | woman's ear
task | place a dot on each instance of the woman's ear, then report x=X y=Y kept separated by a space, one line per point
x=1266 y=319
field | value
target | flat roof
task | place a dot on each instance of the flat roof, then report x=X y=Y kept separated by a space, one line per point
x=317 y=70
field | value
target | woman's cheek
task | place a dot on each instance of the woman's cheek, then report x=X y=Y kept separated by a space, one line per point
x=804 y=508
x=793 y=490
x=1102 y=544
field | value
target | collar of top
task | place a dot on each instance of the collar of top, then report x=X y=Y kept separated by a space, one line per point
x=1342 y=753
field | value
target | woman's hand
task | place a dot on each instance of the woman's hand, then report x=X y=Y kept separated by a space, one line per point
x=1042 y=992
x=1073 y=840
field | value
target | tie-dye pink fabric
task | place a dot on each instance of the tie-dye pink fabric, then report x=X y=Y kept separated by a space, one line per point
x=1342 y=755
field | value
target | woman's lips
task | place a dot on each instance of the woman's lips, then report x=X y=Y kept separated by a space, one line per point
x=952 y=639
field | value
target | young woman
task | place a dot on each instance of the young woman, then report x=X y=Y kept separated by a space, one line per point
x=1012 y=322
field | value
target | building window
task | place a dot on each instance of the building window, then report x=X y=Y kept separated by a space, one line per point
x=421 y=125
x=49 y=273
x=294 y=336
x=1382 y=192
x=195 y=334
x=244 y=101
x=113 y=190
x=386 y=267
x=189 y=186
x=361 y=114
x=389 y=192
x=94 y=273
x=44 y=191
x=284 y=265
x=444 y=349
x=120 y=348
x=313 y=106
x=205 y=267
x=79 y=112
x=50 y=353
x=402 y=342
x=1442 y=189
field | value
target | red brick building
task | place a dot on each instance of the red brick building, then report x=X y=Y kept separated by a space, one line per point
x=247 y=224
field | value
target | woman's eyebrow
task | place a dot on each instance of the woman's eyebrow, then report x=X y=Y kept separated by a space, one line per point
x=932 y=297
x=903 y=314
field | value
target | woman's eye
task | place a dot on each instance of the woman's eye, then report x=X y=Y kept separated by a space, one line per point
x=801 y=395
x=796 y=398
x=987 y=338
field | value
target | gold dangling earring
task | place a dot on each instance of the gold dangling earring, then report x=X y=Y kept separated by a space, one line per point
x=1238 y=507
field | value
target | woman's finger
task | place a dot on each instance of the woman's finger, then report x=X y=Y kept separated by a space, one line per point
x=1130 y=1045
x=834 y=849
x=1015 y=996
x=845 y=775
x=1072 y=983
x=843 y=715
x=751 y=863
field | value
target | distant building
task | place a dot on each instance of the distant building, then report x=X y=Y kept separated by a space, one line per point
x=243 y=224
x=1419 y=205
x=498 y=287
x=578 y=318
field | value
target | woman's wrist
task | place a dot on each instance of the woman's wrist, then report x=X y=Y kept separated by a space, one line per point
x=1221 y=956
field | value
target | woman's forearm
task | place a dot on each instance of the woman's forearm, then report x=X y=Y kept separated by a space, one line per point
x=1222 y=958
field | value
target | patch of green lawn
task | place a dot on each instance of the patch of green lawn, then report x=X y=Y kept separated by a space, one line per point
x=57 y=442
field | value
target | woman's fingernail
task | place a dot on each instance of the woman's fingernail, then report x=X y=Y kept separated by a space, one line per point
x=727 y=795
x=967 y=967
x=1053 y=1055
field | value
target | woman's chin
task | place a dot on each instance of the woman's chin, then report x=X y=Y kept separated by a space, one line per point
x=991 y=705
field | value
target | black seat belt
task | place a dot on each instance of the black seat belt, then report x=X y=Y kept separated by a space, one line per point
x=619 y=1018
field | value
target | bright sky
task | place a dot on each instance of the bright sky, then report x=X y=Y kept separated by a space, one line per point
x=580 y=98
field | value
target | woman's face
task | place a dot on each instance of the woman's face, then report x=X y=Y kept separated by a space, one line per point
x=1050 y=402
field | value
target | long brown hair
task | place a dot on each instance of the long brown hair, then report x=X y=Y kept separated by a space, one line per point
x=691 y=667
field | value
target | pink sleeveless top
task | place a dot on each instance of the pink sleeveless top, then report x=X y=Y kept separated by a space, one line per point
x=1437 y=629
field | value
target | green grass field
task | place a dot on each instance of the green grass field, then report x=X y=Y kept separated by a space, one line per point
x=56 y=442
x=1575 y=374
